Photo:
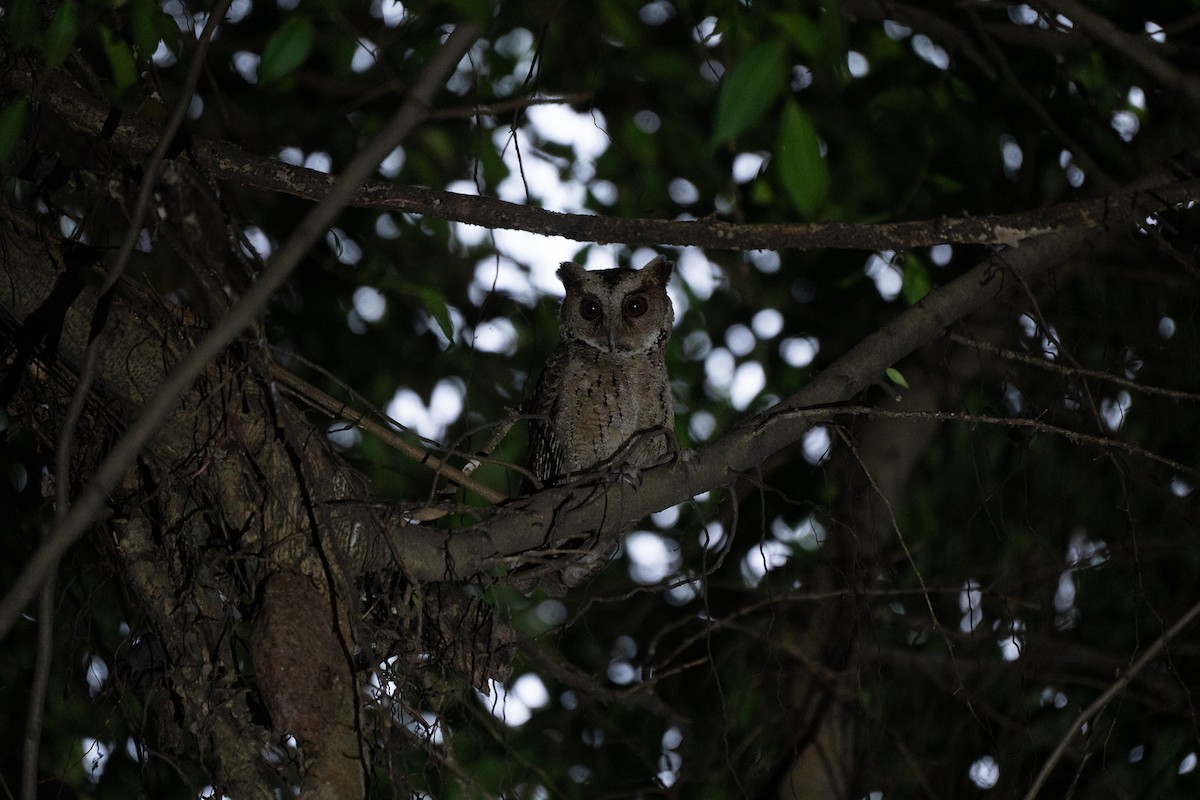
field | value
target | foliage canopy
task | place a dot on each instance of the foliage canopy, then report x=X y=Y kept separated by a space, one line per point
x=932 y=530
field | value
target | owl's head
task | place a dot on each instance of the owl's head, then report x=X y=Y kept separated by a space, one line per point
x=619 y=310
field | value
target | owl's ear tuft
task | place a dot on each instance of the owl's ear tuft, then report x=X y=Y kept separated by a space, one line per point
x=571 y=273
x=661 y=268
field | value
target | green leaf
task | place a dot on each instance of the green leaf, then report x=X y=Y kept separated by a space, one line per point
x=436 y=305
x=895 y=377
x=60 y=36
x=804 y=33
x=145 y=16
x=750 y=88
x=120 y=61
x=12 y=125
x=917 y=280
x=804 y=174
x=287 y=49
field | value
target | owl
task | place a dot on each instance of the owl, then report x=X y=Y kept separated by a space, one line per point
x=604 y=394
x=603 y=403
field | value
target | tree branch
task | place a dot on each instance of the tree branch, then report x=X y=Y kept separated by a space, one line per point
x=229 y=162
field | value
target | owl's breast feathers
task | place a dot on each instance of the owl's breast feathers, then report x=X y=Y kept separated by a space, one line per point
x=590 y=403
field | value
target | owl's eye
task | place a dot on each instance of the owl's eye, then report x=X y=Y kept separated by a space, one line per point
x=635 y=305
x=589 y=308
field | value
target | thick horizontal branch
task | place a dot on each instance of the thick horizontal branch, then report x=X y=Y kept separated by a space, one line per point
x=231 y=163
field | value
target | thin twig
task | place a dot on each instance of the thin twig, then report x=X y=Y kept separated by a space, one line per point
x=359 y=419
x=1108 y=694
x=1074 y=372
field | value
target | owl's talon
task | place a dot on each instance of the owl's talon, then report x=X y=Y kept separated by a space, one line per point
x=628 y=474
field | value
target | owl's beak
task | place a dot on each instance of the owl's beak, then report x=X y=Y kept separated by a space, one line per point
x=612 y=341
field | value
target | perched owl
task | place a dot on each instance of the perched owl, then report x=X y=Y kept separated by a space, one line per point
x=604 y=400
x=605 y=387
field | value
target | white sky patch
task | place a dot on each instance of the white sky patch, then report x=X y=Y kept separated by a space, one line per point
x=1011 y=155
x=497 y=335
x=748 y=380
x=700 y=275
x=767 y=323
x=683 y=192
x=369 y=303
x=364 y=56
x=504 y=705
x=95 y=757
x=551 y=612
x=1013 y=643
x=816 y=445
x=1022 y=14
x=808 y=534
x=880 y=268
x=652 y=558
x=667 y=518
x=1075 y=175
x=430 y=421
x=320 y=161
x=390 y=11
x=605 y=192
x=858 y=64
x=670 y=762
x=95 y=673
x=701 y=426
x=291 y=155
x=718 y=372
x=544 y=254
x=163 y=55
x=343 y=435
x=763 y=558
x=530 y=690
x=259 y=243
x=740 y=339
x=238 y=10
x=802 y=78
x=390 y=167
x=346 y=250
x=586 y=133
x=969 y=603
x=656 y=12
x=799 y=351
x=1157 y=34
x=931 y=53
x=940 y=254
x=502 y=275
x=245 y=64
x=705 y=32
x=1126 y=124
x=712 y=536
x=984 y=773
x=1114 y=410
x=514 y=44
x=647 y=121
x=696 y=345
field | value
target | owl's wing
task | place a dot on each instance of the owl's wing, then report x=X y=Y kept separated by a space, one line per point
x=545 y=458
